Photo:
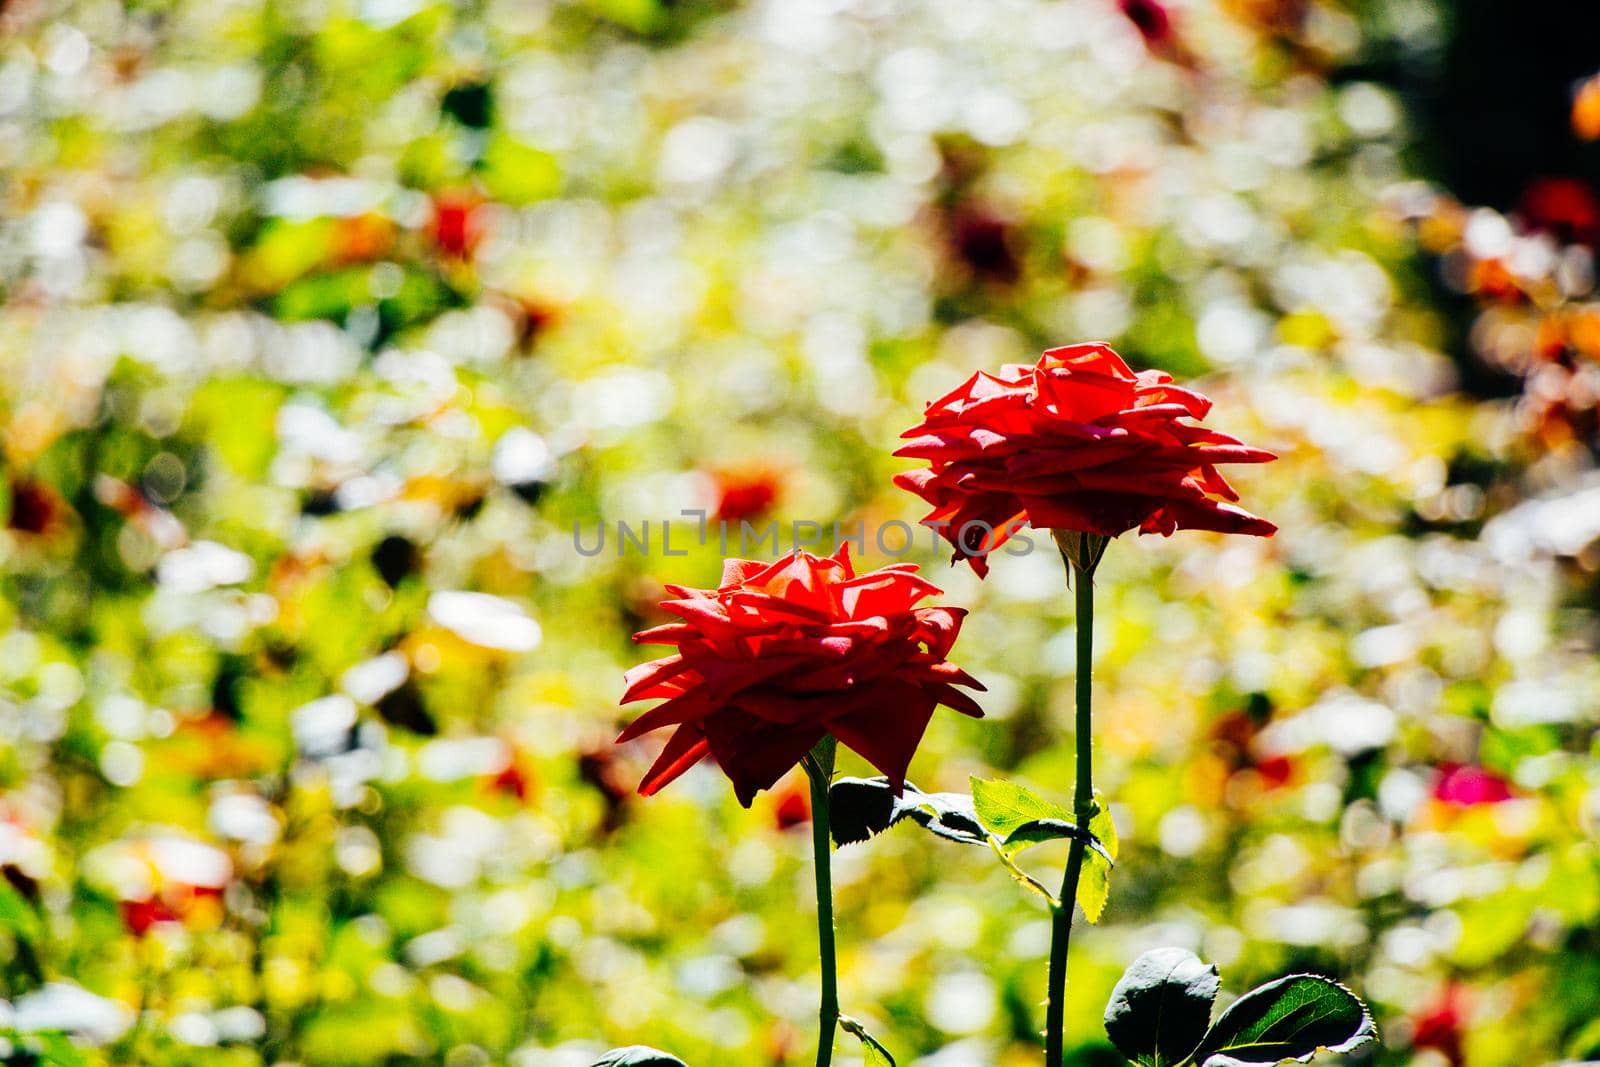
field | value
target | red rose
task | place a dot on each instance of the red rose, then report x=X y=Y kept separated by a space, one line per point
x=1076 y=442
x=784 y=653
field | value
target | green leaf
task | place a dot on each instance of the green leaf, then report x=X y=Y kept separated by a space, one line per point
x=1041 y=830
x=518 y=174
x=1161 y=1006
x=946 y=815
x=1094 y=887
x=876 y=1055
x=859 y=808
x=1003 y=807
x=57 y=1050
x=1289 y=1019
x=640 y=16
x=323 y=296
x=1584 y=1046
x=637 y=1056
x=236 y=417
x=18 y=916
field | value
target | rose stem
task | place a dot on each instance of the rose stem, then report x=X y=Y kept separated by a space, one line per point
x=1082 y=572
x=819 y=767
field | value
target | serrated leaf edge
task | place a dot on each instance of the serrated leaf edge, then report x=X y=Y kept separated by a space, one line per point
x=1365 y=1033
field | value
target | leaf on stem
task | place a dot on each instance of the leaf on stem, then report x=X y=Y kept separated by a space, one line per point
x=860 y=808
x=1292 y=1018
x=1003 y=807
x=1094 y=887
x=1019 y=817
x=1041 y=830
x=637 y=1056
x=1161 y=1006
x=871 y=1048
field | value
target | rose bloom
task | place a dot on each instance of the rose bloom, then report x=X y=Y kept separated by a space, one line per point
x=782 y=654
x=1076 y=442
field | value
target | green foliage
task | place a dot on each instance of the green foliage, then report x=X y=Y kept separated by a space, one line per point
x=518 y=174
x=860 y=808
x=1005 y=807
x=1094 y=887
x=1159 y=1015
x=287 y=288
x=1292 y=1018
x=1161 y=1007
x=1020 y=818
x=872 y=1051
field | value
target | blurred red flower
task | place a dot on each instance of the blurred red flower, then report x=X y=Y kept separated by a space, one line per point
x=457 y=225
x=781 y=654
x=1443 y=1025
x=792 y=805
x=169 y=881
x=1565 y=208
x=37 y=509
x=140 y=915
x=1470 y=786
x=1076 y=442
x=1150 y=16
x=746 y=494
x=199 y=905
x=1275 y=771
x=516 y=779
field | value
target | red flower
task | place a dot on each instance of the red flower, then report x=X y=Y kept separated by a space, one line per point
x=1154 y=24
x=515 y=779
x=140 y=915
x=1469 y=786
x=1076 y=442
x=457 y=223
x=746 y=494
x=1443 y=1025
x=1275 y=771
x=792 y=805
x=1565 y=208
x=37 y=509
x=782 y=654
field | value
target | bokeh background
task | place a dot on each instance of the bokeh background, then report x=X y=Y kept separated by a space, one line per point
x=324 y=321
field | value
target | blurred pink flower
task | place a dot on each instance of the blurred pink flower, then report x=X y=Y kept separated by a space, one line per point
x=1469 y=786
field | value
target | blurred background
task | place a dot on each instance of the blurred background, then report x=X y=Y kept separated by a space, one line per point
x=324 y=321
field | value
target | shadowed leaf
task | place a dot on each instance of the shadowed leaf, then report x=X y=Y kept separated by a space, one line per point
x=1160 y=1008
x=860 y=808
x=1041 y=830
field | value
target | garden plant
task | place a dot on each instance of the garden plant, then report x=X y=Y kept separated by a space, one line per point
x=372 y=371
x=784 y=661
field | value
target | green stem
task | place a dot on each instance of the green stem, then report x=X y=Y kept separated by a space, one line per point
x=819 y=767
x=1082 y=577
